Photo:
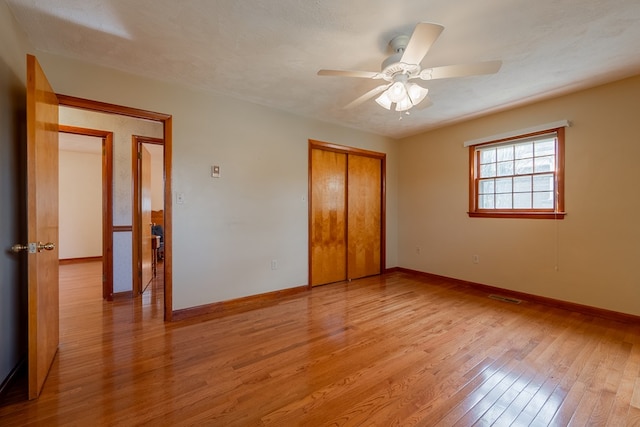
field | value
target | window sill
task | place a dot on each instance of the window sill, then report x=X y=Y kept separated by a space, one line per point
x=525 y=215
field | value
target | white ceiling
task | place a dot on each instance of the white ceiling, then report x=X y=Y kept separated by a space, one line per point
x=268 y=52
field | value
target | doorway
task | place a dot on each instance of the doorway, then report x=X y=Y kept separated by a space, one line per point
x=346 y=213
x=148 y=209
x=105 y=151
x=166 y=121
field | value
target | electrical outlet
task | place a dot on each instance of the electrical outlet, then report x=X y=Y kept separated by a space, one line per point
x=274 y=264
x=418 y=250
x=476 y=259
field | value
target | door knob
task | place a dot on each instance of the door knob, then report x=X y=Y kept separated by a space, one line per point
x=46 y=246
x=33 y=247
x=19 y=248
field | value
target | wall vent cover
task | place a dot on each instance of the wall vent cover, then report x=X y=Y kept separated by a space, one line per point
x=505 y=299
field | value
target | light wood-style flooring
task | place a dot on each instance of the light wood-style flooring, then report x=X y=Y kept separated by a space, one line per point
x=390 y=350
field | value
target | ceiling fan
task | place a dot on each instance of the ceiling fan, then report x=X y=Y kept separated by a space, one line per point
x=404 y=65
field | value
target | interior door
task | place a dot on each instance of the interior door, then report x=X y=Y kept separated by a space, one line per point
x=145 y=217
x=42 y=207
x=364 y=216
x=327 y=233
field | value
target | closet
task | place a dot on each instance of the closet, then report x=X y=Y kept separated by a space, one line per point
x=346 y=213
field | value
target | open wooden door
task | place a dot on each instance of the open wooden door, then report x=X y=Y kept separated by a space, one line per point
x=145 y=217
x=42 y=206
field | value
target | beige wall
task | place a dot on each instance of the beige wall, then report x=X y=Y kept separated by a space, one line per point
x=596 y=248
x=230 y=228
x=80 y=204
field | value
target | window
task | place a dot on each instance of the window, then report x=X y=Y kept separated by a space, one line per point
x=519 y=177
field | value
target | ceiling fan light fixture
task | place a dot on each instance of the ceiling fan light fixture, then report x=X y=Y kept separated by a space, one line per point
x=404 y=104
x=397 y=92
x=384 y=101
x=416 y=93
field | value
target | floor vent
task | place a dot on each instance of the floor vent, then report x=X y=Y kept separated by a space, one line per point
x=505 y=299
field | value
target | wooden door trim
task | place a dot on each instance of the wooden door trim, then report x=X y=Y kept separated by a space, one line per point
x=103 y=107
x=137 y=141
x=167 y=121
x=328 y=146
x=107 y=202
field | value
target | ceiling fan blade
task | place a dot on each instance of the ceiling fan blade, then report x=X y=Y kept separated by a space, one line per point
x=424 y=35
x=373 y=92
x=463 y=70
x=349 y=73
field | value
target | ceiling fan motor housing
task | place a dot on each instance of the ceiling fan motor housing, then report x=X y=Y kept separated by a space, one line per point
x=393 y=66
x=399 y=43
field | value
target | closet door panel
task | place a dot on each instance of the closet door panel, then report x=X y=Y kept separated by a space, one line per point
x=328 y=217
x=364 y=216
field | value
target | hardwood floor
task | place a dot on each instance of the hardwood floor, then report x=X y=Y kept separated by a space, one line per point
x=390 y=350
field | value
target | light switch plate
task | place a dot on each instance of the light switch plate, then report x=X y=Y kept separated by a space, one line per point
x=215 y=171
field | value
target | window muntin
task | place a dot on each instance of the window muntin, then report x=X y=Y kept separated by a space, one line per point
x=522 y=176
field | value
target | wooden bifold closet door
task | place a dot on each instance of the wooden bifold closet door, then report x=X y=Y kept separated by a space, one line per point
x=346 y=227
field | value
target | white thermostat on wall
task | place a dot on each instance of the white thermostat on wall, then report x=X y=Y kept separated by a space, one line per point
x=215 y=171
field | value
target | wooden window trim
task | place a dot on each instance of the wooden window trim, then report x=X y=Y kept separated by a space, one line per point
x=556 y=213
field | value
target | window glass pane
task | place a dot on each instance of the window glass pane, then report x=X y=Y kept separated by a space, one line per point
x=487 y=171
x=486 y=186
x=505 y=153
x=524 y=150
x=543 y=200
x=487 y=156
x=504 y=185
x=486 y=202
x=546 y=147
x=503 y=201
x=544 y=164
x=522 y=184
x=522 y=201
x=543 y=182
x=524 y=166
x=505 y=168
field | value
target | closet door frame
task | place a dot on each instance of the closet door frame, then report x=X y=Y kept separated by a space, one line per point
x=327 y=146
